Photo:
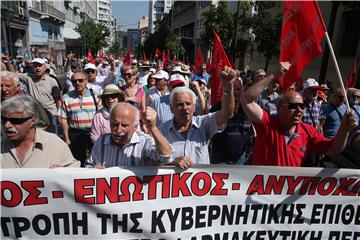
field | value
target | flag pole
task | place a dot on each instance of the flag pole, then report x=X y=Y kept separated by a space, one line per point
x=337 y=70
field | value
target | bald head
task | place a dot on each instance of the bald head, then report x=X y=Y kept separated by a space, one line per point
x=288 y=97
x=127 y=109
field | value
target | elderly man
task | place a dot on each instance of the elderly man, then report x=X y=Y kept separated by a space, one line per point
x=312 y=105
x=26 y=146
x=9 y=84
x=125 y=146
x=189 y=135
x=284 y=140
x=45 y=89
x=353 y=95
x=76 y=113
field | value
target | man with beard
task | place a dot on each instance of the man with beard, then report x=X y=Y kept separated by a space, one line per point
x=25 y=145
x=76 y=113
x=125 y=146
x=285 y=140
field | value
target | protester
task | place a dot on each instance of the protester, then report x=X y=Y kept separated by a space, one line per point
x=9 y=84
x=96 y=83
x=312 y=105
x=160 y=88
x=189 y=135
x=45 y=89
x=203 y=76
x=25 y=145
x=76 y=113
x=268 y=98
x=353 y=95
x=285 y=140
x=144 y=73
x=127 y=147
x=332 y=113
x=350 y=156
x=101 y=121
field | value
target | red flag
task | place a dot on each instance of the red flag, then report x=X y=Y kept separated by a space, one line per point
x=144 y=56
x=101 y=56
x=163 y=58
x=168 y=56
x=302 y=31
x=127 y=59
x=198 y=60
x=174 y=58
x=350 y=81
x=90 y=56
x=157 y=53
x=219 y=60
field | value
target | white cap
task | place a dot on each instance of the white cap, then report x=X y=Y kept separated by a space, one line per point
x=153 y=70
x=161 y=74
x=38 y=60
x=176 y=79
x=90 y=66
x=311 y=83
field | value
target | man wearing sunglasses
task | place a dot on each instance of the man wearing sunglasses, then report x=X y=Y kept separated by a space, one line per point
x=285 y=140
x=26 y=146
x=76 y=113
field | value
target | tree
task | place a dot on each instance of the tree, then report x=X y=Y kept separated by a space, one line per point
x=92 y=35
x=267 y=30
x=115 y=49
x=221 y=20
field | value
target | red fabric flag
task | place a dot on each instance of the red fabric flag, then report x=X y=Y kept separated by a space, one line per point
x=157 y=53
x=302 y=31
x=219 y=60
x=101 y=56
x=174 y=58
x=144 y=56
x=127 y=58
x=90 y=56
x=198 y=60
x=350 y=81
x=163 y=58
x=168 y=56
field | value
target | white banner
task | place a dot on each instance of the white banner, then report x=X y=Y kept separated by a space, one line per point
x=208 y=202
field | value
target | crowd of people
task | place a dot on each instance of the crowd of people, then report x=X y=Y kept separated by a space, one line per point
x=110 y=113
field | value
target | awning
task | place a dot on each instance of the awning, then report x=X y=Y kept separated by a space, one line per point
x=70 y=33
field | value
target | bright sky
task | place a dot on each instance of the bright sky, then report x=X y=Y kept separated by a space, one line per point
x=128 y=13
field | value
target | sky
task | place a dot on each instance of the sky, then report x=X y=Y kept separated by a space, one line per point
x=128 y=13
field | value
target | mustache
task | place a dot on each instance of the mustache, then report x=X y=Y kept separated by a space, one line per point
x=118 y=134
x=10 y=130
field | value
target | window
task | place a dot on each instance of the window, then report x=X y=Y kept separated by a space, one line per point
x=50 y=34
x=55 y=35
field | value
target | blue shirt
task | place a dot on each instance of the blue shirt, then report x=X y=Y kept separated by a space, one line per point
x=332 y=119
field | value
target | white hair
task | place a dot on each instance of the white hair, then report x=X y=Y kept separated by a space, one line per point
x=182 y=90
x=10 y=75
x=127 y=105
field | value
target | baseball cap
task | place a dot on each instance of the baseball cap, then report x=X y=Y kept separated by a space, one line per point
x=90 y=66
x=38 y=60
x=161 y=74
x=177 y=79
x=311 y=83
x=324 y=87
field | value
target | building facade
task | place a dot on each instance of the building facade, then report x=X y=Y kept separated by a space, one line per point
x=104 y=16
x=157 y=9
x=143 y=27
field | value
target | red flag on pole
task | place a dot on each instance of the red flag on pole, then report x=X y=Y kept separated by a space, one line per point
x=157 y=53
x=168 y=56
x=351 y=79
x=198 y=60
x=101 y=56
x=127 y=59
x=219 y=60
x=174 y=58
x=90 y=56
x=144 y=56
x=163 y=58
x=302 y=31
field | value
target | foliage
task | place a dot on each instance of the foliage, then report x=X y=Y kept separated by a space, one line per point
x=163 y=38
x=221 y=20
x=92 y=35
x=115 y=49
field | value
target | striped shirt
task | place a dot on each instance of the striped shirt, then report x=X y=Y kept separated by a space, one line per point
x=79 y=111
x=195 y=144
x=139 y=151
x=312 y=113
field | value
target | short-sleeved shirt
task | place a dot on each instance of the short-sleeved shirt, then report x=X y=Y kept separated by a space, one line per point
x=312 y=113
x=141 y=150
x=154 y=93
x=195 y=144
x=268 y=102
x=271 y=147
x=79 y=111
x=48 y=149
x=203 y=77
x=46 y=91
x=330 y=114
x=356 y=109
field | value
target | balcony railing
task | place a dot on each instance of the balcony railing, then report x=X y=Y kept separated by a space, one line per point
x=46 y=9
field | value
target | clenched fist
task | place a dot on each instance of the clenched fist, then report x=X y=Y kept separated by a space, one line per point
x=150 y=117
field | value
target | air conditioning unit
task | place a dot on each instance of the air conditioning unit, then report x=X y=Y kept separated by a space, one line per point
x=21 y=11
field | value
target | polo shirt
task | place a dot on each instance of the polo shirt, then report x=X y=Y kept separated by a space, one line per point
x=271 y=147
x=78 y=110
x=48 y=149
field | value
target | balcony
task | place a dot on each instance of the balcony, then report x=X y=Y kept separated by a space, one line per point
x=48 y=12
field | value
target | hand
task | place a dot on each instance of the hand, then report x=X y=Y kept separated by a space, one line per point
x=150 y=117
x=227 y=77
x=195 y=85
x=283 y=68
x=182 y=162
x=349 y=120
x=67 y=141
x=99 y=166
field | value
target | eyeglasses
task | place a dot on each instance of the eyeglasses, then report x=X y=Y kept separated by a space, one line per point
x=15 y=121
x=129 y=75
x=90 y=71
x=111 y=96
x=77 y=80
x=294 y=106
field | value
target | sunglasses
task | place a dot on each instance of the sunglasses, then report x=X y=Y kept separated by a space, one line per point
x=77 y=80
x=111 y=96
x=15 y=121
x=294 y=106
x=90 y=71
x=129 y=75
